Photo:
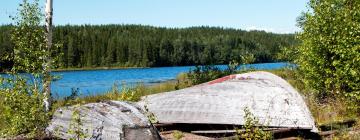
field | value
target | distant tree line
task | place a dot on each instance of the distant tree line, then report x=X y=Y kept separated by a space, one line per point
x=146 y=46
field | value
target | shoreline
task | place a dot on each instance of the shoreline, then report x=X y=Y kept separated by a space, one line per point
x=94 y=68
x=131 y=87
x=122 y=67
x=88 y=69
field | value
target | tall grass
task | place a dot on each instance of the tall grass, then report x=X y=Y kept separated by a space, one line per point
x=325 y=113
x=128 y=93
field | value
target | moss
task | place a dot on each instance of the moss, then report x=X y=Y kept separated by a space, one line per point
x=177 y=135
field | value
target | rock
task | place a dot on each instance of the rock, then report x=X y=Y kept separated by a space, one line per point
x=105 y=120
x=270 y=98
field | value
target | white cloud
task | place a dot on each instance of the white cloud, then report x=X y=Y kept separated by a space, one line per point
x=272 y=30
x=252 y=28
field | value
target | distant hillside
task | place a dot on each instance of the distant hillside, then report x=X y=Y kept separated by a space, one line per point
x=146 y=46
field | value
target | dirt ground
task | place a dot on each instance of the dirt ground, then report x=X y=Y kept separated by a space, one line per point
x=168 y=135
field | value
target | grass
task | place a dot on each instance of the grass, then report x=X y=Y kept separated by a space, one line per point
x=325 y=113
x=2 y=123
x=128 y=93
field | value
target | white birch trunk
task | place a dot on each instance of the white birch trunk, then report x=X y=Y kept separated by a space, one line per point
x=47 y=81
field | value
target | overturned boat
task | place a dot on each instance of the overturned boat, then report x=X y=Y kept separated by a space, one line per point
x=223 y=101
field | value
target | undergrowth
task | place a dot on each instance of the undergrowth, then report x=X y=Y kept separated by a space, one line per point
x=177 y=135
x=252 y=128
x=325 y=112
x=126 y=93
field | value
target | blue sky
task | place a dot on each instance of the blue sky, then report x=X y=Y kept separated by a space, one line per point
x=270 y=15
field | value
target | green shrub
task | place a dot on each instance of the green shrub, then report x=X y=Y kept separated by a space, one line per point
x=253 y=130
x=202 y=74
x=177 y=135
x=206 y=73
x=128 y=94
x=329 y=56
x=75 y=126
x=151 y=116
x=22 y=110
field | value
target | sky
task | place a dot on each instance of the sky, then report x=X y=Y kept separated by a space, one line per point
x=278 y=16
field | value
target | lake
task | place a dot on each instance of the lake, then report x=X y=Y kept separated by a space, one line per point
x=91 y=82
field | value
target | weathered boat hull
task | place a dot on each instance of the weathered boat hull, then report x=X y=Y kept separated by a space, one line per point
x=111 y=120
x=270 y=98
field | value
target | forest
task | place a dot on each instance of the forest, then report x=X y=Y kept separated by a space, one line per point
x=326 y=53
x=88 y=46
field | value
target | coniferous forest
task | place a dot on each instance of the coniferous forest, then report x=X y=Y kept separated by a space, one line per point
x=146 y=46
x=323 y=87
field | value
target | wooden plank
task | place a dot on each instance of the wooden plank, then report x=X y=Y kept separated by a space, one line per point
x=213 y=131
x=162 y=124
x=273 y=130
x=289 y=138
x=327 y=133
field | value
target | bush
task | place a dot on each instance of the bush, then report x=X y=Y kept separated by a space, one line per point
x=202 y=74
x=253 y=130
x=329 y=56
x=75 y=126
x=177 y=135
x=22 y=110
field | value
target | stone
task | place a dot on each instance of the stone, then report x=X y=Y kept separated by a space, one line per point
x=104 y=120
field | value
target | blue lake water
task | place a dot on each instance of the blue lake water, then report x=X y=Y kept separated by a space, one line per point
x=91 y=82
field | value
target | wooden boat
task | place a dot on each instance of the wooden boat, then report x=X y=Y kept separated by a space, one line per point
x=270 y=98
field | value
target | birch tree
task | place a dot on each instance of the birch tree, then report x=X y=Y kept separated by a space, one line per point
x=47 y=64
x=329 y=56
x=22 y=102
